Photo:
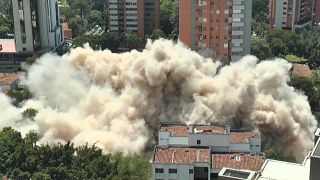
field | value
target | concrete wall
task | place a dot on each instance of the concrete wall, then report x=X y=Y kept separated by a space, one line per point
x=182 y=171
x=255 y=145
x=209 y=140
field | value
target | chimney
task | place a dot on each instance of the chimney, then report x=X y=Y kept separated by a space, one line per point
x=227 y=129
x=191 y=129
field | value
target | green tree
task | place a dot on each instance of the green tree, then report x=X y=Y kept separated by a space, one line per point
x=156 y=34
x=310 y=46
x=260 y=10
x=134 y=42
x=29 y=113
x=273 y=153
x=110 y=41
x=169 y=16
x=93 y=40
x=19 y=96
x=77 y=26
x=260 y=48
x=95 y=18
x=83 y=5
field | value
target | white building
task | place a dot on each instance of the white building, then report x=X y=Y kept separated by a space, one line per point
x=219 y=139
x=36 y=25
x=201 y=151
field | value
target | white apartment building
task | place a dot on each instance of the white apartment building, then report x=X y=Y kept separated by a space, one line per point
x=36 y=25
x=218 y=138
x=201 y=151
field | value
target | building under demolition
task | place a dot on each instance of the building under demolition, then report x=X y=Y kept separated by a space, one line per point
x=200 y=152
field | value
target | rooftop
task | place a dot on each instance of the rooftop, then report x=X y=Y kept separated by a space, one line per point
x=273 y=169
x=181 y=130
x=175 y=129
x=8 y=78
x=301 y=70
x=243 y=137
x=237 y=161
x=181 y=155
x=8 y=45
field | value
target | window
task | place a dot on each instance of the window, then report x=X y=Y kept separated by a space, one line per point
x=173 y=171
x=190 y=171
x=257 y=145
x=159 y=170
x=198 y=142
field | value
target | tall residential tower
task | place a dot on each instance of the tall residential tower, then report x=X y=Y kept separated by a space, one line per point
x=292 y=15
x=36 y=25
x=223 y=26
x=134 y=16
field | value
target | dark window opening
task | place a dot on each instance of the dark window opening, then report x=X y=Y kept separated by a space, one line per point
x=198 y=142
x=173 y=171
x=190 y=171
x=159 y=170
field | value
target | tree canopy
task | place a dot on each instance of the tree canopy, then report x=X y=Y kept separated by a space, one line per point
x=22 y=158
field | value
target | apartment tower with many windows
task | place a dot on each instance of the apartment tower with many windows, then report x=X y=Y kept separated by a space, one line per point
x=36 y=25
x=292 y=15
x=223 y=26
x=134 y=16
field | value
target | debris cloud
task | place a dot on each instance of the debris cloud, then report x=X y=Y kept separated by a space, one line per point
x=116 y=101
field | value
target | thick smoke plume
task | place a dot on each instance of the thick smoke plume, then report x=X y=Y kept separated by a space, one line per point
x=117 y=101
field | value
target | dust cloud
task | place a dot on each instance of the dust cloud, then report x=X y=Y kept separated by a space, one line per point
x=116 y=101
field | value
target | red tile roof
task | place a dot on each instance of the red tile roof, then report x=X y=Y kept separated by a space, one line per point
x=301 y=70
x=183 y=130
x=181 y=155
x=209 y=130
x=8 y=45
x=8 y=78
x=243 y=137
x=176 y=130
x=237 y=161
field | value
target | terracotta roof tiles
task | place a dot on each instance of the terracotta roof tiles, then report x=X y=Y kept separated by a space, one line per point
x=181 y=155
x=243 y=137
x=8 y=78
x=237 y=161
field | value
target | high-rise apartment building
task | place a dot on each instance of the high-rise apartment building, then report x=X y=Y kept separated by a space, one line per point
x=134 y=16
x=293 y=15
x=316 y=12
x=36 y=25
x=223 y=26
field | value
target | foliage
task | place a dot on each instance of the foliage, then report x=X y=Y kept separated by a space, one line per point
x=260 y=28
x=93 y=41
x=169 y=15
x=273 y=153
x=29 y=113
x=6 y=25
x=32 y=59
x=156 y=34
x=134 y=42
x=95 y=18
x=19 y=96
x=310 y=41
x=260 y=48
x=22 y=158
x=260 y=10
x=109 y=41
x=283 y=42
x=76 y=24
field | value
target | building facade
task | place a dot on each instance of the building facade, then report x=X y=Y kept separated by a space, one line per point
x=140 y=17
x=223 y=26
x=219 y=139
x=316 y=12
x=202 y=151
x=292 y=15
x=36 y=25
